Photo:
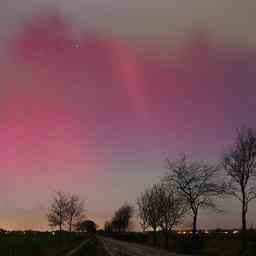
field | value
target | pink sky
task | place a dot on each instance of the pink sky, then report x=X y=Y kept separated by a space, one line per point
x=96 y=114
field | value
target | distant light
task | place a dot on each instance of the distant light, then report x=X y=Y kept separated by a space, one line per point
x=235 y=232
x=77 y=46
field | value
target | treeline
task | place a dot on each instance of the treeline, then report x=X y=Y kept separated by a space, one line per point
x=121 y=220
x=189 y=187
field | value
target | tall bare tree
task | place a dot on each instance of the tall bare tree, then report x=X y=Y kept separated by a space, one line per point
x=142 y=203
x=196 y=183
x=75 y=210
x=57 y=212
x=240 y=165
x=172 y=209
x=149 y=208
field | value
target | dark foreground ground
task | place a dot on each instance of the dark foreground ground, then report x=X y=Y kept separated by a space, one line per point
x=37 y=243
x=103 y=246
x=213 y=244
x=90 y=247
x=130 y=244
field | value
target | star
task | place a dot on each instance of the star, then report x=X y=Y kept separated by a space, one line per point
x=77 y=45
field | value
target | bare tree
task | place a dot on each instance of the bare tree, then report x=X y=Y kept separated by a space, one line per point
x=196 y=183
x=75 y=210
x=57 y=212
x=142 y=204
x=172 y=208
x=240 y=165
x=149 y=209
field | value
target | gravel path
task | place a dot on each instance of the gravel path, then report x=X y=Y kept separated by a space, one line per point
x=120 y=248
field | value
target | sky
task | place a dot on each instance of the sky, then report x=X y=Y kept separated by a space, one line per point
x=96 y=94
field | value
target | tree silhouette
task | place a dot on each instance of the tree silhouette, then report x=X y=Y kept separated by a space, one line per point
x=88 y=226
x=122 y=218
x=240 y=165
x=172 y=209
x=149 y=208
x=57 y=212
x=75 y=210
x=197 y=183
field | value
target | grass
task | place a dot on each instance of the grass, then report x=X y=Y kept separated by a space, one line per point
x=227 y=248
x=39 y=244
x=47 y=244
x=206 y=245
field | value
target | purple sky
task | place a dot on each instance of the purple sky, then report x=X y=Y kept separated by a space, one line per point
x=96 y=94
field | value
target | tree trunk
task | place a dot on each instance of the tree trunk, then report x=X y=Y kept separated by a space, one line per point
x=244 y=226
x=154 y=237
x=194 y=240
x=70 y=225
x=244 y=219
x=166 y=239
x=244 y=210
x=194 y=226
x=60 y=221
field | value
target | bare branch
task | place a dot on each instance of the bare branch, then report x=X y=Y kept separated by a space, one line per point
x=240 y=166
x=197 y=183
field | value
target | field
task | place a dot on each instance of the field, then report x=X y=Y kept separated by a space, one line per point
x=36 y=243
x=207 y=245
x=51 y=244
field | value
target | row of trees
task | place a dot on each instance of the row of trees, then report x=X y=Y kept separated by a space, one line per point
x=191 y=186
x=160 y=207
x=66 y=211
x=121 y=220
x=186 y=188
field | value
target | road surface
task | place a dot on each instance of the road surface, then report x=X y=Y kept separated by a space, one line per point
x=78 y=248
x=90 y=247
x=119 y=248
